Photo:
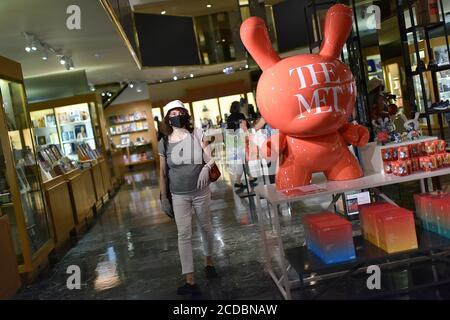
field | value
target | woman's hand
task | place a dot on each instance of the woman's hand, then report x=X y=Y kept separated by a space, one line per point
x=167 y=207
x=203 y=178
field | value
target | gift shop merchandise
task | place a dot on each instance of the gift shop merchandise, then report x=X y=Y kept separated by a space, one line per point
x=423 y=156
x=433 y=209
x=389 y=227
x=329 y=237
x=285 y=90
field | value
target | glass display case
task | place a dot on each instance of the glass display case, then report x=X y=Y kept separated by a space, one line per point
x=75 y=127
x=68 y=123
x=21 y=198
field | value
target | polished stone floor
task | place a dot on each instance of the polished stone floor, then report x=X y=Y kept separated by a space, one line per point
x=130 y=251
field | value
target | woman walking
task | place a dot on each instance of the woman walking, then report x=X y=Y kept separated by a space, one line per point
x=185 y=165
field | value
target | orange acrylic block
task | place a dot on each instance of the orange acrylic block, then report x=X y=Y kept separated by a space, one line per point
x=396 y=230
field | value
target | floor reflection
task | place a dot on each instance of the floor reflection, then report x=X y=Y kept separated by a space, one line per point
x=131 y=251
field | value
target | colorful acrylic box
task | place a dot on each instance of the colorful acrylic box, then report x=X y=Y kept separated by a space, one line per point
x=389 y=227
x=329 y=237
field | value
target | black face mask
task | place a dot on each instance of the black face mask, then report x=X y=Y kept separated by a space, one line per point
x=179 y=121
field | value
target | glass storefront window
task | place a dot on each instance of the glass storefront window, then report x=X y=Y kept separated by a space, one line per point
x=251 y=99
x=225 y=104
x=24 y=157
x=206 y=113
x=374 y=68
x=443 y=80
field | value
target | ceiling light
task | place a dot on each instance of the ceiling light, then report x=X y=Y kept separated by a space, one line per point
x=45 y=55
x=34 y=46
x=175 y=78
x=163 y=12
x=91 y=87
x=103 y=94
x=209 y=5
x=246 y=66
x=131 y=85
x=139 y=89
x=160 y=80
x=109 y=94
x=28 y=49
x=191 y=75
x=63 y=60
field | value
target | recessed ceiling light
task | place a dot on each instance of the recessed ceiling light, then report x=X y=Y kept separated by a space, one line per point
x=103 y=94
x=163 y=12
x=191 y=75
x=209 y=5
x=175 y=78
x=28 y=49
x=246 y=66
x=160 y=80
x=62 y=60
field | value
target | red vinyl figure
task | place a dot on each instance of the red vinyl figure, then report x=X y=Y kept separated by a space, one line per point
x=309 y=99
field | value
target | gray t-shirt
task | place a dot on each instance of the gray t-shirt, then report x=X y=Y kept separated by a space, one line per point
x=185 y=162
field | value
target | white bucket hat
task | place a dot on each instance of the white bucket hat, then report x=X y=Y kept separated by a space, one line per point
x=176 y=104
x=374 y=83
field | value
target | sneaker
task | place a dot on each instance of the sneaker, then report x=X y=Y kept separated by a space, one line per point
x=210 y=272
x=188 y=289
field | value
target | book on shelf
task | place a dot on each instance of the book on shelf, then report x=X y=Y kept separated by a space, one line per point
x=50 y=120
x=63 y=117
x=84 y=115
x=41 y=140
x=74 y=116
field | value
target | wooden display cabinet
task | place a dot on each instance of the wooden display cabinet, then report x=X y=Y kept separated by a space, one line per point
x=82 y=197
x=57 y=195
x=21 y=190
x=72 y=120
x=9 y=271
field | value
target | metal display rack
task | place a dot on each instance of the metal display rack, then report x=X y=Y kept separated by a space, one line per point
x=307 y=266
x=428 y=30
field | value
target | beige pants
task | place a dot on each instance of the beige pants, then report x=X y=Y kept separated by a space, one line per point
x=184 y=206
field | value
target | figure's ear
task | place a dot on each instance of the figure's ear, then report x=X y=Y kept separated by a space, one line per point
x=337 y=27
x=256 y=39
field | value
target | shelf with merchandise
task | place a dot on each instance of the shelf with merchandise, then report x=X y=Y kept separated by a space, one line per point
x=129 y=132
x=78 y=140
x=127 y=122
x=75 y=123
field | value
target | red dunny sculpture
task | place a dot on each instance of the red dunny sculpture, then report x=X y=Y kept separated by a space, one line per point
x=309 y=99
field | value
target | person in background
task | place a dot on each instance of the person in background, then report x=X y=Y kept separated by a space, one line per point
x=188 y=176
x=377 y=105
x=237 y=121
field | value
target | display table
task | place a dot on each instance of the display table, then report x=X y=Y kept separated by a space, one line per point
x=321 y=187
x=60 y=208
